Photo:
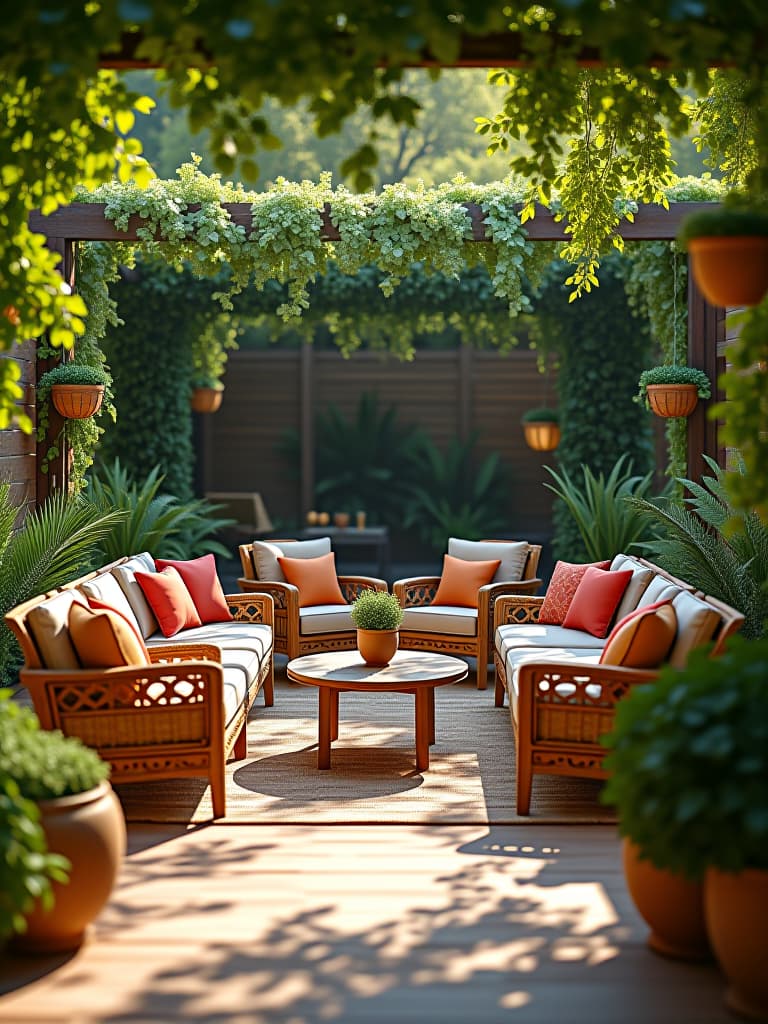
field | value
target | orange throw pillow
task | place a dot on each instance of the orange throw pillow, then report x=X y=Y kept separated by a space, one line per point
x=202 y=582
x=642 y=639
x=565 y=579
x=596 y=599
x=315 y=578
x=103 y=638
x=169 y=599
x=462 y=579
x=101 y=606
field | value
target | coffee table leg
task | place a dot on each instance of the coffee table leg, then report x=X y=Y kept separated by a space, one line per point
x=422 y=726
x=334 y=715
x=431 y=692
x=325 y=696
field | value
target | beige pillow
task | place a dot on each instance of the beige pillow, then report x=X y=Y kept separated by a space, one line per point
x=641 y=577
x=125 y=575
x=697 y=623
x=266 y=554
x=49 y=625
x=512 y=555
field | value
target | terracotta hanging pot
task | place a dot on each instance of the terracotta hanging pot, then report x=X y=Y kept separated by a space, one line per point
x=671 y=906
x=671 y=400
x=206 y=399
x=89 y=830
x=377 y=646
x=77 y=401
x=541 y=435
x=736 y=911
x=730 y=270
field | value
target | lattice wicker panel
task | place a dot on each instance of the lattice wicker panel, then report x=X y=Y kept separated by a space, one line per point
x=144 y=726
x=435 y=642
x=423 y=593
x=246 y=612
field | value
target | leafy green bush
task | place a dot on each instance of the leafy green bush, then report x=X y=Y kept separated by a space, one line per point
x=374 y=609
x=688 y=763
x=672 y=375
x=606 y=522
x=540 y=415
x=722 y=222
x=72 y=373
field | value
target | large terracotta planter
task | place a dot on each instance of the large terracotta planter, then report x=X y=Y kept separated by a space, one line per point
x=377 y=646
x=542 y=436
x=730 y=271
x=89 y=830
x=206 y=399
x=670 y=400
x=671 y=906
x=77 y=401
x=736 y=911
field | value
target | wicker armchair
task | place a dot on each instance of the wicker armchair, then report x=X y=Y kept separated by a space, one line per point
x=299 y=631
x=471 y=634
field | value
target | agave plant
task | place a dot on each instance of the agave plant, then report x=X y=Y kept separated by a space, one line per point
x=55 y=544
x=607 y=522
x=154 y=522
x=712 y=545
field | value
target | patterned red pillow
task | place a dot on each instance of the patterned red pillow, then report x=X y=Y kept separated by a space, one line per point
x=565 y=579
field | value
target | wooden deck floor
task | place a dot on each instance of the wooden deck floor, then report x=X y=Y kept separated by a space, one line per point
x=389 y=924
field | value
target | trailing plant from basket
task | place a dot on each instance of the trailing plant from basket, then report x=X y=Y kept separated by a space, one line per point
x=688 y=763
x=210 y=350
x=672 y=375
x=374 y=609
x=540 y=415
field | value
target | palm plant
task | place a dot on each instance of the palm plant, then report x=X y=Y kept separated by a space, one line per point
x=712 y=545
x=158 y=523
x=607 y=522
x=55 y=544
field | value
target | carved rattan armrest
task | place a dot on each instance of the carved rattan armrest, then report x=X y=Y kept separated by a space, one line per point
x=352 y=586
x=539 y=680
x=510 y=610
x=285 y=596
x=252 y=607
x=415 y=591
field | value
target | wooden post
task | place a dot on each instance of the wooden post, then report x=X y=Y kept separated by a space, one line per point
x=705 y=331
x=306 y=431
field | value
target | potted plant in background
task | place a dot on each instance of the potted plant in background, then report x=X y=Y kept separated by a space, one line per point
x=689 y=778
x=209 y=362
x=83 y=825
x=671 y=391
x=76 y=390
x=541 y=428
x=729 y=254
x=207 y=393
x=377 y=616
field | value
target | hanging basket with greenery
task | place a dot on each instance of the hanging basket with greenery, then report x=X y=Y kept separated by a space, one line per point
x=671 y=391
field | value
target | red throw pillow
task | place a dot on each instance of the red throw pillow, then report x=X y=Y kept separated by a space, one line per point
x=462 y=579
x=643 y=638
x=169 y=599
x=101 y=606
x=315 y=578
x=565 y=579
x=596 y=599
x=202 y=582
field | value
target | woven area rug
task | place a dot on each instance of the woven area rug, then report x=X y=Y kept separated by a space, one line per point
x=373 y=778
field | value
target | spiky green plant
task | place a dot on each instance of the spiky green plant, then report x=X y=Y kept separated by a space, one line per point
x=151 y=521
x=55 y=544
x=712 y=545
x=607 y=523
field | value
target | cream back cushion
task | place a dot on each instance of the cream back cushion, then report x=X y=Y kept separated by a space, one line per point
x=659 y=589
x=513 y=555
x=49 y=625
x=266 y=554
x=696 y=625
x=641 y=577
x=125 y=575
x=106 y=589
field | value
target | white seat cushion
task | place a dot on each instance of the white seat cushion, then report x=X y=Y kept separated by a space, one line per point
x=531 y=634
x=441 y=619
x=228 y=636
x=325 y=618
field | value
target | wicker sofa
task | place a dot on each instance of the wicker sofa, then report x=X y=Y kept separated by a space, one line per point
x=183 y=714
x=561 y=700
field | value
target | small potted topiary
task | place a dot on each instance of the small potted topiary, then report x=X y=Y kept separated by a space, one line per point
x=688 y=767
x=541 y=427
x=76 y=389
x=729 y=254
x=82 y=822
x=377 y=616
x=207 y=393
x=671 y=391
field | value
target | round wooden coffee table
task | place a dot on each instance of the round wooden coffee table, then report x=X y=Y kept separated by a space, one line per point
x=415 y=672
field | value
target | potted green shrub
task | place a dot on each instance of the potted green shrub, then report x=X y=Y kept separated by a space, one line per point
x=82 y=822
x=541 y=427
x=76 y=390
x=671 y=391
x=688 y=767
x=729 y=254
x=377 y=616
x=207 y=393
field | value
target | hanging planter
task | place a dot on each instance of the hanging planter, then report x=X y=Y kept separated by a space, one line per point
x=729 y=255
x=672 y=391
x=542 y=429
x=76 y=390
x=206 y=399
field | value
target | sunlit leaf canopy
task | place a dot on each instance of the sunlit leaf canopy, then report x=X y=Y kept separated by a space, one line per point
x=69 y=116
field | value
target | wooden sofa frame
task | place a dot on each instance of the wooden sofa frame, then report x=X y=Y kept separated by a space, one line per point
x=416 y=591
x=557 y=734
x=163 y=720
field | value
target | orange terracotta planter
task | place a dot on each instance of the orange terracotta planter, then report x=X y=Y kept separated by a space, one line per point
x=542 y=436
x=730 y=271
x=671 y=906
x=377 y=646
x=736 y=911
x=671 y=400
x=77 y=401
x=206 y=399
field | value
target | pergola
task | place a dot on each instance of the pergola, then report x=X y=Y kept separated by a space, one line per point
x=85 y=222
